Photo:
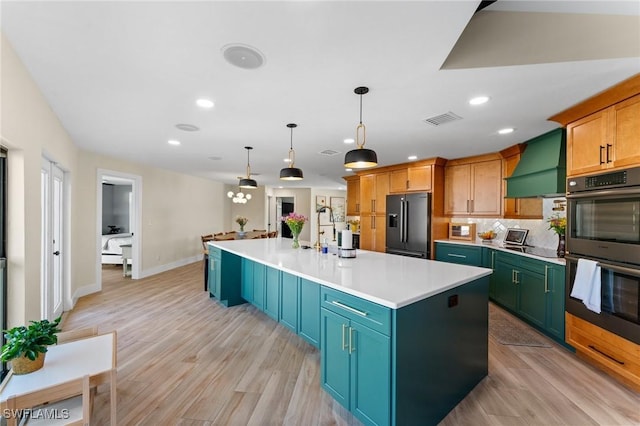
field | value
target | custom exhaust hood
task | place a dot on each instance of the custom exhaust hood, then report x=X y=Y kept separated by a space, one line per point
x=542 y=170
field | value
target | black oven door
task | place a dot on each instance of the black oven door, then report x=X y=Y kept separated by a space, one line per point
x=620 y=299
x=605 y=224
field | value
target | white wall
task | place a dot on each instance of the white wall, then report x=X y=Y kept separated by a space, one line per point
x=172 y=217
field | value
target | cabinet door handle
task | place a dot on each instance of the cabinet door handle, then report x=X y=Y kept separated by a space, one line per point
x=493 y=259
x=358 y=207
x=407 y=184
x=468 y=211
x=351 y=347
x=608 y=157
x=471 y=203
x=344 y=344
x=349 y=308
x=456 y=255
x=604 y=354
x=546 y=279
x=517 y=272
x=601 y=151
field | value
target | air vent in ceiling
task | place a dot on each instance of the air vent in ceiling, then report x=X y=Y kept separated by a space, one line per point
x=329 y=152
x=442 y=119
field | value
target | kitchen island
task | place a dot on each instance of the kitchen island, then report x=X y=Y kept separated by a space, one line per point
x=402 y=340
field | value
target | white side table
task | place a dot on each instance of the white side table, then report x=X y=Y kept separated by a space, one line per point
x=126 y=255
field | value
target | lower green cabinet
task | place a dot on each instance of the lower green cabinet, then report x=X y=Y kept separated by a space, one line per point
x=356 y=367
x=247 y=280
x=532 y=289
x=272 y=293
x=288 y=315
x=459 y=253
x=223 y=278
x=259 y=276
x=309 y=308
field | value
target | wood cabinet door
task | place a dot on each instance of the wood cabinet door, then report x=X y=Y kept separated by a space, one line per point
x=626 y=144
x=379 y=233
x=382 y=189
x=353 y=197
x=367 y=193
x=486 y=181
x=398 y=181
x=419 y=178
x=457 y=184
x=586 y=143
x=366 y=232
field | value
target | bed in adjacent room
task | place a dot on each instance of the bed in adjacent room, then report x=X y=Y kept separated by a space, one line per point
x=111 y=250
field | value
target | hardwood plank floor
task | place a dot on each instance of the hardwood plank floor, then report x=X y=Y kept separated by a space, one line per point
x=183 y=359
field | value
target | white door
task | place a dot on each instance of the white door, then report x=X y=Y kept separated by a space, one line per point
x=52 y=253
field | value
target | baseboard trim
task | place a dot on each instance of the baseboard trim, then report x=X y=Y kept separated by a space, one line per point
x=169 y=266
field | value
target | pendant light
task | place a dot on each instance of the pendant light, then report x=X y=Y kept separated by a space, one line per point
x=291 y=172
x=247 y=182
x=239 y=197
x=361 y=157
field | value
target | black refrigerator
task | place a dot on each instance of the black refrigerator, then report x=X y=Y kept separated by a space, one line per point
x=408 y=217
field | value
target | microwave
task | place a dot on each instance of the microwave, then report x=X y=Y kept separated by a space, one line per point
x=462 y=231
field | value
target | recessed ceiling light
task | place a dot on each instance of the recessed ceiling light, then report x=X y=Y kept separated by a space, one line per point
x=349 y=140
x=348 y=170
x=413 y=157
x=173 y=142
x=187 y=127
x=215 y=158
x=506 y=131
x=243 y=56
x=479 y=100
x=204 y=103
x=280 y=187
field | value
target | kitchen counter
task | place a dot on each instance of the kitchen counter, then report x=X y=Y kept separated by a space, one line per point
x=389 y=280
x=500 y=246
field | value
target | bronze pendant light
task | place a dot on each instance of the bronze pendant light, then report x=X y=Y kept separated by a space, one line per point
x=291 y=172
x=361 y=157
x=247 y=182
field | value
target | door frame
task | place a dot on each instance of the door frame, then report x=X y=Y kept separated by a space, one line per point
x=136 y=188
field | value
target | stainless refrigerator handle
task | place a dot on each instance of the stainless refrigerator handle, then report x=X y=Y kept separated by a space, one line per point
x=402 y=221
x=604 y=193
x=406 y=221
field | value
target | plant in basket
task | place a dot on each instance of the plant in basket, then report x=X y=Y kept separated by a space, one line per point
x=26 y=345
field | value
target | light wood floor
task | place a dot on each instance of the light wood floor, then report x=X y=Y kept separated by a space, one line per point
x=183 y=359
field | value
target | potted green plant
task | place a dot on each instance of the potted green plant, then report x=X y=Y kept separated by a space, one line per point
x=26 y=346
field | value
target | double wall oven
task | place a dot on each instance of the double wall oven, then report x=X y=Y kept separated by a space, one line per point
x=603 y=224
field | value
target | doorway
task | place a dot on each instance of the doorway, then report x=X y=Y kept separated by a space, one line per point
x=284 y=206
x=53 y=255
x=118 y=222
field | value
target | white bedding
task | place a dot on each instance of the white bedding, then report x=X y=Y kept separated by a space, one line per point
x=111 y=244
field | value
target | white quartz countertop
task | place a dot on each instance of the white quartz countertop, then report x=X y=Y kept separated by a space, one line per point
x=499 y=246
x=389 y=280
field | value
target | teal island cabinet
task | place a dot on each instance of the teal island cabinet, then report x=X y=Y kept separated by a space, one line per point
x=224 y=276
x=402 y=341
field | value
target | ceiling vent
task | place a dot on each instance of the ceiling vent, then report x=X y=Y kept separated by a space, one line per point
x=442 y=119
x=329 y=152
x=187 y=127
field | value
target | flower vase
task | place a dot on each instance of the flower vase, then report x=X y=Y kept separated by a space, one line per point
x=561 y=245
x=295 y=244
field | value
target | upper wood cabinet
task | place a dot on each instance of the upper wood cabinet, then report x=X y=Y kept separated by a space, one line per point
x=518 y=208
x=607 y=139
x=373 y=193
x=473 y=188
x=353 y=195
x=416 y=178
x=603 y=132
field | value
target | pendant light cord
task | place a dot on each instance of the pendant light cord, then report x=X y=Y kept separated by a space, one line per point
x=361 y=126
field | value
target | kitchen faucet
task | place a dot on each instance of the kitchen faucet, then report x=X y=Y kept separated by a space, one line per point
x=322 y=209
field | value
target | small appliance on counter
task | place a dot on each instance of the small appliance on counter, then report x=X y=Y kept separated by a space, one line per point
x=345 y=247
x=462 y=231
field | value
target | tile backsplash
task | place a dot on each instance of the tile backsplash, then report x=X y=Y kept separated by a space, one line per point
x=539 y=233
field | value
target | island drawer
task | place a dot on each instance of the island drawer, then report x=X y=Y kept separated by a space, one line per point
x=214 y=252
x=371 y=314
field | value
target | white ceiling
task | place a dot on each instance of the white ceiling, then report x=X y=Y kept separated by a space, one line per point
x=120 y=75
